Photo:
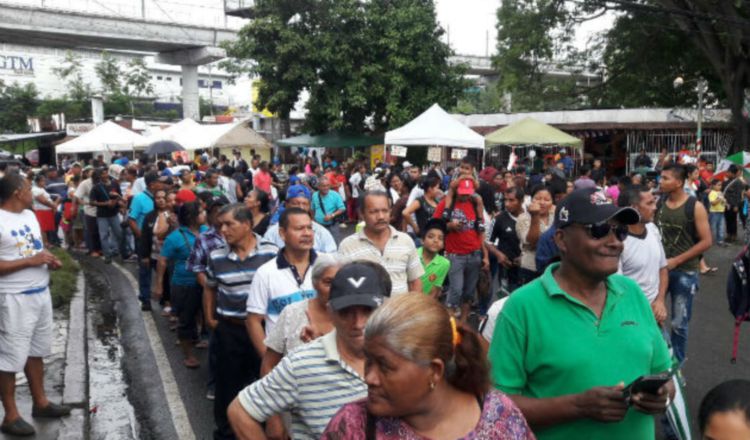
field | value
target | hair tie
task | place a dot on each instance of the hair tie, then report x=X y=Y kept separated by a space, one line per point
x=456 y=334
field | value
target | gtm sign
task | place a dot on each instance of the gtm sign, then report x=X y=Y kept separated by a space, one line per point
x=17 y=64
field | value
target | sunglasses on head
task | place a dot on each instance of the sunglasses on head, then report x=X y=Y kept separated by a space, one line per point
x=601 y=230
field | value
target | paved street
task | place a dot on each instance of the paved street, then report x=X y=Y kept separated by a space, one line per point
x=708 y=354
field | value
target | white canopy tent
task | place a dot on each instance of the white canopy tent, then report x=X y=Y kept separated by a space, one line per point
x=187 y=133
x=435 y=127
x=106 y=138
x=236 y=134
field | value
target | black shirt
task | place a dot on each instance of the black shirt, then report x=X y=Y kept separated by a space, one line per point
x=504 y=236
x=101 y=193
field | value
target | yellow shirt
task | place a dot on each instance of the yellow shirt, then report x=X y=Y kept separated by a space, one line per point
x=716 y=202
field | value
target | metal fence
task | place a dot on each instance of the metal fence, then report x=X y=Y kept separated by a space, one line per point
x=716 y=143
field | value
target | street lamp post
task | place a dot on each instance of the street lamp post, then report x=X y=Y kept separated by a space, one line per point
x=701 y=87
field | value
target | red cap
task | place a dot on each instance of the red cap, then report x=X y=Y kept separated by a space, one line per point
x=465 y=187
x=185 y=196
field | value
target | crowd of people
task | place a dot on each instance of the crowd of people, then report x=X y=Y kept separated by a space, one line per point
x=342 y=302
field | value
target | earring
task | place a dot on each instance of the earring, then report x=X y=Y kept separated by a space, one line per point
x=432 y=386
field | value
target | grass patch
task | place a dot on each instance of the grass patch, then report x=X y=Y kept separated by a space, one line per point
x=63 y=281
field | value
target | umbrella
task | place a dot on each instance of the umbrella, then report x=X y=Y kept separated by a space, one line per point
x=741 y=159
x=163 y=147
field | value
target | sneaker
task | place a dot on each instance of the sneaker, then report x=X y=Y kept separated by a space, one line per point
x=210 y=394
x=132 y=258
x=51 y=411
x=19 y=427
x=146 y=306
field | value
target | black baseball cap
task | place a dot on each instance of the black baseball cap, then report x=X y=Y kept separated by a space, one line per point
x=588 y=206
x=216 y=201
x=357 y=284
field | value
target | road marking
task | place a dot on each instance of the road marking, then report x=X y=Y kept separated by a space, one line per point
x=176 y=406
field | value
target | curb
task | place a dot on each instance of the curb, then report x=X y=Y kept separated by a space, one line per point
x=75 y=392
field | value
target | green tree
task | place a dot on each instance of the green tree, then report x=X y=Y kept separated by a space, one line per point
x=652 y=42
x=379 y=62
x=137 y=82
x=17 y=103
x=71 y=72
x=110 y=75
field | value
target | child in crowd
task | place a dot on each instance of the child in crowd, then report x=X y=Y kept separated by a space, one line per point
x=716 y=207
x=436 y=266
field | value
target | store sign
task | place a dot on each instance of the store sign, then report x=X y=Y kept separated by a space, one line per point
x=79 y=129
x=17 y=65
x=435 y=154
x=398 y=151
x=458 y=153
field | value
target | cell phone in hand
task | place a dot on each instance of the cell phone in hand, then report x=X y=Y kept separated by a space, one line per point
x=649 y=384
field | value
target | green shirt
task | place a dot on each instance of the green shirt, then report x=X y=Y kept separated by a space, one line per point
x=434 y=273
x=548 y=344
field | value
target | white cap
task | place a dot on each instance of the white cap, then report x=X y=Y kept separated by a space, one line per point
x=562 y=151
x=407 y=164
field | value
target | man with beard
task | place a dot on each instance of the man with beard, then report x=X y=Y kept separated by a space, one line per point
x=566 y=343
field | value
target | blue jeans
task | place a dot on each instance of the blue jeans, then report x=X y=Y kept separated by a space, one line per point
x=111 y=236
x=463 y=277
x=682 y=288
x=716 y=221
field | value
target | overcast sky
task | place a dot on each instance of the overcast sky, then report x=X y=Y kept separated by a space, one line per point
x=469 y=22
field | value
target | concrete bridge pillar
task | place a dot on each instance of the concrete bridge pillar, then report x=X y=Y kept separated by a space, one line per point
x=189 y=60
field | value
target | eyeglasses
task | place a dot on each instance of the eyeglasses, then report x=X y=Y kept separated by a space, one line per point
x=601 y=230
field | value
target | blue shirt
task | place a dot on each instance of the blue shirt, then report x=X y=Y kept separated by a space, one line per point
x=546 y=249
x=177 y=247
x=142 y=204
x=567 y=164
x=331 y=203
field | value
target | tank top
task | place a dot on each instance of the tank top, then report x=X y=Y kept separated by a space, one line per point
x=676 y=236
x=425 y=212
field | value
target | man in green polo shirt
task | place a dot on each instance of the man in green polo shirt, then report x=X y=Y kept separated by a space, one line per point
x=566 y=344
x=435 y=266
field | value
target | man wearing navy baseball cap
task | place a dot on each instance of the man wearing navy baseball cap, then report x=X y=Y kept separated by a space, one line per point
x=336 y=359
x=299 y=196
x=566 y=344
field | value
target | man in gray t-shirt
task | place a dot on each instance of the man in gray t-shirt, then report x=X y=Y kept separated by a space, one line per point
x=643 y=258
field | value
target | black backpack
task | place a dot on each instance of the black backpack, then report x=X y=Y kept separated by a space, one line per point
x=738 y=295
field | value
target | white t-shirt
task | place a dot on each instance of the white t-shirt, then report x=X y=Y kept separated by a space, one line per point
x=20 y=237
x=354 y=181
x=36 y=192
x=83 y=192
x=492 y=314
x=641 y=260
x=274 y=288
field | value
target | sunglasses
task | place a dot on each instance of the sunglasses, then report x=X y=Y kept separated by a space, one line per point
x=601 y=230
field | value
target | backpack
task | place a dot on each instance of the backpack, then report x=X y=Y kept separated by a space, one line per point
x=738 y=295
x=689 y=208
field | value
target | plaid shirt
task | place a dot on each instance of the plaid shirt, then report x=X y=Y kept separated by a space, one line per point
x=206 y=242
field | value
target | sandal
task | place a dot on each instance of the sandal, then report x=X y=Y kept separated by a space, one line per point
x=191 y=364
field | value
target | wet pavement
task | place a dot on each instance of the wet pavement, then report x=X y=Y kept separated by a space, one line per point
x=110 y=413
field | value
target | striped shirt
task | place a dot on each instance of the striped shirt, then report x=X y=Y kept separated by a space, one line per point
x=399 y=257
x=312 y=383
x=278 y=284
x=232 y=277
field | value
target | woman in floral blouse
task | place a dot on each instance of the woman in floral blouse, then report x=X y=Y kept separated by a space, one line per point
x=427 y=378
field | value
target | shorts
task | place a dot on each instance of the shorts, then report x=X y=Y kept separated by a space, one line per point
x=25 y=328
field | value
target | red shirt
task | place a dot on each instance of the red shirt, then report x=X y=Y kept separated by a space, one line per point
x=467 y=239
x=262 y=181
